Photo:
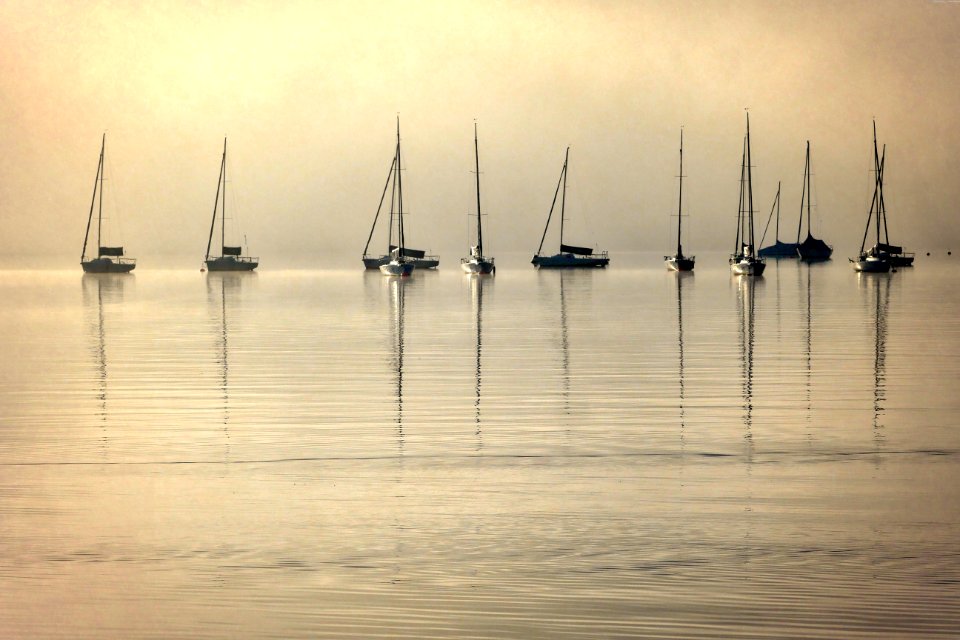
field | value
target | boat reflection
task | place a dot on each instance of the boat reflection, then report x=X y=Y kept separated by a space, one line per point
x=680 y=277
x=745 y=293
x=476 y=291
x=100 y=290
x=223 y=293
x=876 y=288
x=397 y=287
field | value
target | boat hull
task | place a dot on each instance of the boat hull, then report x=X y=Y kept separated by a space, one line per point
x=478 y=267
x=814 y=250
x=779 y=250
x=747 y=267
x=870 y=265
x=430 y=262
x=397 y=269
x=570 y=261
x=229 y=263
x=675 y=263
x=106 y=265
x=902 y=260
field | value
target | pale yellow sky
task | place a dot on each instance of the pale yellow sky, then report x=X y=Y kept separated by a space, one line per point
x=308 y=94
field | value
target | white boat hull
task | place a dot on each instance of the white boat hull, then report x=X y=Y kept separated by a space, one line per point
x=479 y=267
x=679 y=264
x=870 y=265
x=395 y=268
x=747 y=267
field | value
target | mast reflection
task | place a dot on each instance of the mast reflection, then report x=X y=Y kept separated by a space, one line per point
x=745 y=288
x=879 y=285
x=680 y=277
x=222 y=291
x=99 y=290
x=476 y=290
x=396 y=302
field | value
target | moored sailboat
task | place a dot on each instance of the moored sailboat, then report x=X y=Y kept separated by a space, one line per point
x=231 y=257
x=109 y=259
x=570 y=255
x=477 y=263
x=678 y=261
x=399 y=263
x=882 y=255
x=744 y=261
x=811 y=249
x=415 y=257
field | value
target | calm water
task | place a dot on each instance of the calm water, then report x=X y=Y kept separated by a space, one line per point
x=620 y=453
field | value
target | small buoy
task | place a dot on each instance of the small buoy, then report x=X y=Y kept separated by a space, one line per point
x=949 y=253
x=928 y=253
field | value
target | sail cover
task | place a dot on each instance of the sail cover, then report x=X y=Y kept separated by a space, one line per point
x=231 y=251
x=111 y=251
x=889 y=248
x=580 y=251
x=409 y=253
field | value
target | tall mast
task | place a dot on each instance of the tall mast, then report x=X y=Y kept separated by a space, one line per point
x=563 y=199
x=883 y=207
x=476 y=153
x=749 y=184
x=805 y=196
x=216 y=201
x=680 y=199
x=223 y=205
x=399 y=191
x=103 y=144
x=96 y=182
x=738 y=247
x=393 y=197
x=809 y=192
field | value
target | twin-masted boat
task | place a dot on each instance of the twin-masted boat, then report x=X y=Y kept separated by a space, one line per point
x=811 y=249
x=109 y=259
x=396 y=250
x=882 y=255
x=478 y=263
x=398 y=262
x=678 y=261
x=231 y=257
x=570 y=255
x=744 y=261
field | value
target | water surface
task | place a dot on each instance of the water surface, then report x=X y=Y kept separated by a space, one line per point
x=618 y=453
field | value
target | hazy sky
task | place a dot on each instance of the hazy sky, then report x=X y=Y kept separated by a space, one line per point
x=308 y=93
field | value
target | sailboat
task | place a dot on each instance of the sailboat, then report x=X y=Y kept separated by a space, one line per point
x=882 y=255
x=477 y=263
x=416 y=257
x=231 y=257
x=811 y=249
x=570 y=255
x=400 y=263
x=777 y=249
x=744 y=261
x=109 y=259
x=678 y=261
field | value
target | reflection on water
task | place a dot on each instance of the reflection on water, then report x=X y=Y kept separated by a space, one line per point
x=617 y=453
x=745 y=290
x=876 y=287
x=397 y=289
x=476 y=292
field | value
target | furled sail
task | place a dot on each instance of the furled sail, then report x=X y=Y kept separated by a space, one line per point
x=580 y=251
x=111 y=251
x=232 y=251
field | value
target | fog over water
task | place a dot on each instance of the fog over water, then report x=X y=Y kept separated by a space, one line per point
x=308 y=94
